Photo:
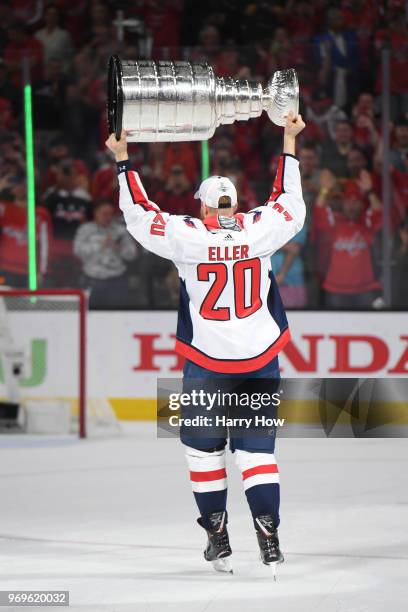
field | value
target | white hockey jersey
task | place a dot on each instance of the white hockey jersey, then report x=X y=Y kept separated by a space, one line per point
x=231 y=318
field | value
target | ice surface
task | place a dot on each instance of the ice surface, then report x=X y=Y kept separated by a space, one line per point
x=113 y=522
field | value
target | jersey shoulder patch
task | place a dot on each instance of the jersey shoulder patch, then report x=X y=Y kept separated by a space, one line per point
x=189 y=221
x=256 y=215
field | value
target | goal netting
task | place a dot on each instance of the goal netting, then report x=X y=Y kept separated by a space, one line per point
x=43 y=365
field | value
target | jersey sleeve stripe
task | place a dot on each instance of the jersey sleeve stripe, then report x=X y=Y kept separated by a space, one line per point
x=278 y=185
x=137 y=192
x=233 y=366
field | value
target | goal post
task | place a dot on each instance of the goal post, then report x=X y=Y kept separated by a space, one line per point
x=59 y=318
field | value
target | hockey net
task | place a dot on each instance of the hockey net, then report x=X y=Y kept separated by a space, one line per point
x=43 y=364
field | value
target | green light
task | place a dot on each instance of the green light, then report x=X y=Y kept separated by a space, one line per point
x=205 y=160
x=31 y=229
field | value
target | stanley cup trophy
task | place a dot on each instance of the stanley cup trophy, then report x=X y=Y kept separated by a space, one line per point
x=175 y=101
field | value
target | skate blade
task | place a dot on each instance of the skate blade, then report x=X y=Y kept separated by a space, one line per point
x=222 y=565
x=274 y=567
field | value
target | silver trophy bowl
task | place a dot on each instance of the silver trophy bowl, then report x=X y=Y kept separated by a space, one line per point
x=175 y=101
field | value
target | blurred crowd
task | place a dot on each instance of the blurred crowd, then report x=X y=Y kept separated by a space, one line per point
x=335 y=261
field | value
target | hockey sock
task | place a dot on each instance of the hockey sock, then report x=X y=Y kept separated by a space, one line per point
x=208 y=480
x=260 y=476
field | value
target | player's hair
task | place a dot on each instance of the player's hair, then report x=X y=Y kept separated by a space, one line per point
x=224 y=202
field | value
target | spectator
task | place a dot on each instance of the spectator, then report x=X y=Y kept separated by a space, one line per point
x=310 y=173
x=287 y=266
x=28 y=11
x=224 y=139
x=69 y=207
x=68 y=72
x=281 y=48
x=302 y=20
x=100 y=14
x=49 y=95
x=329 y=203
x=181 y=154
x=247 y=196
x=56 y=42
x=177 y=197
x=338 y=56
x=22 y=45
x=104 y=185
x=131 y=51
x=364 y=106
x=104 y=247
x=322 y=115
x=365 y=133
x=223 y=159
x=399 y=152
x=363 y=115
x=360 y=13
x=394 y=33
x=356 y=162
x=155 y=165
x=350 y=280
x=12 y=157
x=163 y=20
x=209 y=40
x=329 y=191
x=281 y=53
x=247 y=136
x=75 y=15
x=7 y=90
x=6 y=115
x=81 y=122
x=6 y=18
x=13 y=233
x=400 y=285
x=229 y=63
x=102 y=43
x=335 y=152
x=59 y=153
x=259 y=20
x=399 y=207
x=361 y=16
x=226 y=163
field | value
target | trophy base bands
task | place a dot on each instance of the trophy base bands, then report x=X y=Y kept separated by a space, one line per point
x=34 y=598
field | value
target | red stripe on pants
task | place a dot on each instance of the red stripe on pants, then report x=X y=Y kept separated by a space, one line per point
x=260 y=469
x=207 y=476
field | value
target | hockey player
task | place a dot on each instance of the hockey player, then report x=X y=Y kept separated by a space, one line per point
x=231 y=321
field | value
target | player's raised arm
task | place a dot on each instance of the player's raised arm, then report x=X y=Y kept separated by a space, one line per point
x=286 y=199
x=144 y=219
